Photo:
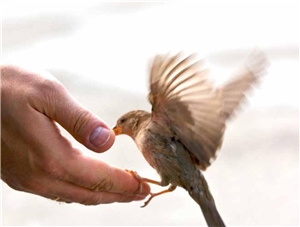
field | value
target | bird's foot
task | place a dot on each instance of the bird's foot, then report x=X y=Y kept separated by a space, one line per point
x=142 y=179
x=137 y=177
x=152 y=195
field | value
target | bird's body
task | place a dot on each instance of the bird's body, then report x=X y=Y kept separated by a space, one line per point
x=182 y=134
x=165 y=153
x=173 y=162
x=162 y=152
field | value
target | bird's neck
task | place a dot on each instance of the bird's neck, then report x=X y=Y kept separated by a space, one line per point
x=142 y=124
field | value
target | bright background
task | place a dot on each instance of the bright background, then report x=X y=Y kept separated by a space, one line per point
x=100 y=51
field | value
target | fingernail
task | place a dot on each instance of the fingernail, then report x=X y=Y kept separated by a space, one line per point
x=143 y=192
x=99 y=136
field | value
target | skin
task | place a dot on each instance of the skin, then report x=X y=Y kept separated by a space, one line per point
x=37 y=159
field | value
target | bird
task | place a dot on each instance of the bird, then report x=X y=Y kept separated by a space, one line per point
x=184 y=131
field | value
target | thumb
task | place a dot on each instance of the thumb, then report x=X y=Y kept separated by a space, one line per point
x=84 y=126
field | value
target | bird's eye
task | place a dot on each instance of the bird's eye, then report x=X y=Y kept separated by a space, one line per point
x=123 y=120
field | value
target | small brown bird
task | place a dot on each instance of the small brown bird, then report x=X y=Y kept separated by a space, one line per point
x=185 y=129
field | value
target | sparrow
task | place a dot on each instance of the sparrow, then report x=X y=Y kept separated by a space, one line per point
x=184 y=131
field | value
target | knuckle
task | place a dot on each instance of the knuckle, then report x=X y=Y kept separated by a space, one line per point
x=80 y=121
x=49 y=87
x=45 y=91
x=94 y=199
x=105 y=184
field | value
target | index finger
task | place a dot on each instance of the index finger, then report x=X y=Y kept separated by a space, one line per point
x=99 y=176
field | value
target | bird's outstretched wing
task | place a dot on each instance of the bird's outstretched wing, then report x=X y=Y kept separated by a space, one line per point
x=182 y=96
x=233 y=92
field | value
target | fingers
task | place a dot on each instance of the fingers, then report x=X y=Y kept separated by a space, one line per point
x=68 y=164
x=91 y=182
x=83 y=125
x=62 y=191
x=56 y=103
x=36 y=158
x=99 y=176
x=57 y=170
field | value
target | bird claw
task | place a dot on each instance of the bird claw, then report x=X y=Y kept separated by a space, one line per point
x=141 y=180
x=138 y=178
x=134 y=173
x=152 y=195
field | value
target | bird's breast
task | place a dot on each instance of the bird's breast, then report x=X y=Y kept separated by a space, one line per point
x=145 y=142
x=164 y=153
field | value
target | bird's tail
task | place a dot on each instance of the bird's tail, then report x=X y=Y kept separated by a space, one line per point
x=199 y=191
x=233 y=92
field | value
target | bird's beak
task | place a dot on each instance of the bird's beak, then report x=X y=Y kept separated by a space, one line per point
x=117 y=130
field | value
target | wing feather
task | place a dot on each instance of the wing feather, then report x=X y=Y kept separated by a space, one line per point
x=183 y=97
x=234 y=91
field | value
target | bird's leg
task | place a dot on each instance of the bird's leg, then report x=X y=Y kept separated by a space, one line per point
x=142 y=179
x=160 y=183
x=152 y=195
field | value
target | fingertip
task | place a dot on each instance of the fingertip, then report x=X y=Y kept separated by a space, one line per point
x=83 y=125
x=140 y=189
x=145 y=189
x=101 y=139
x=109 y=142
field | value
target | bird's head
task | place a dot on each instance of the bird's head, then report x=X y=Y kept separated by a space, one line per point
x=130 y=122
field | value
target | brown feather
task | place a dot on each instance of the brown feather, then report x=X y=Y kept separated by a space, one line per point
x=182 y=95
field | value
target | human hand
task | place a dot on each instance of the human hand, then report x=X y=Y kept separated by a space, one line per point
x=36 y=158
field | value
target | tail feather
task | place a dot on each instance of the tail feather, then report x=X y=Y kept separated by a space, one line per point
x=199 y=191
x=233 y=92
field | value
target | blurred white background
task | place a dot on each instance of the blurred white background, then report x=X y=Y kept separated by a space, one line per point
x=100 y=51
